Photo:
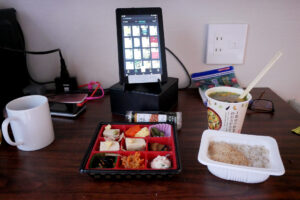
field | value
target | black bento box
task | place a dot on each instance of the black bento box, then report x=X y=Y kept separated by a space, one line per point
x=112 y=163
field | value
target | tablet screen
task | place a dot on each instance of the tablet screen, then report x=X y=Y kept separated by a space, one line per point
x=141 y=48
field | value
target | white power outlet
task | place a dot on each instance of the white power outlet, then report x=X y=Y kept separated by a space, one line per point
x=226 y=43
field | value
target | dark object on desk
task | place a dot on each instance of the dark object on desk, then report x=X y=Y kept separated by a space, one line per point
x=65 y=109
x=150 y=21
x=68 y=98
x=14 y=74
x=145 y=87
x=91 y=160
x=66 y=105
x=143 y=98
x=261 y=105
x=65 y=84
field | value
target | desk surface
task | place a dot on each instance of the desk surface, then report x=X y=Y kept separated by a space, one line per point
x=52 y=173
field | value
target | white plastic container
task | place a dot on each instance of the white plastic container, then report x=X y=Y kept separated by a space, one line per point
x=237 y=172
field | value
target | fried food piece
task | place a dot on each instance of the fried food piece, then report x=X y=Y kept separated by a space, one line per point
x=223 y=152
x=133 y=161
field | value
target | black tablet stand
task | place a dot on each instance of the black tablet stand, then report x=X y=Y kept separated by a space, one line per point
x=159 y=96
x=144 y=87
x=144 y=97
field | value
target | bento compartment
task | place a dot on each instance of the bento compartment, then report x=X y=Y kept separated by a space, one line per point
x=137 y=130
x=107 y=145
x=102 y=161
x=132 y=160
x=161 y=130
x=161 y=160
x=112 y=131
x=135 y=144
x=160 y=144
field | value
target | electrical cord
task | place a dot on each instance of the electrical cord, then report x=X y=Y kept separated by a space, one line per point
x=64 y=71
x=90 y=88
x=184 y=68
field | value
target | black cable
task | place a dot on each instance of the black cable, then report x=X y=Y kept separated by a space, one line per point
x=31 y=52
x=64 y=72
x=184 y=68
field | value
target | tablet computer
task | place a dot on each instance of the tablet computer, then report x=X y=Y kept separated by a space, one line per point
x=141 y=45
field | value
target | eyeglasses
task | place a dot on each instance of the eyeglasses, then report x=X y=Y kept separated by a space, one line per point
x=261 y=105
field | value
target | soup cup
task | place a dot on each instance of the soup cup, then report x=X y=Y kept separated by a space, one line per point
x=223 y=115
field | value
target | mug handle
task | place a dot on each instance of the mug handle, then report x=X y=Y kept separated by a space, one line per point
x=5 y=132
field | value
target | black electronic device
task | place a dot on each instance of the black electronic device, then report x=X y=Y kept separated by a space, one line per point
x=65 y=109
x=143 y=99
x=67 y=105
x=141 y=45
x=144 y=84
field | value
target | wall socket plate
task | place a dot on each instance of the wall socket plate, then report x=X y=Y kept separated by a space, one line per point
x=226 y=43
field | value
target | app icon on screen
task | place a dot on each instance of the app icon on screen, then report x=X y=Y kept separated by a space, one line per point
x=154 y=53
x=145 y=42
x=144 y=30
x=137 y=42
x=137 y=53
x=146 y=53
x=129 y=66
x=154 y=41
x=128 y=42
x=137 y=64
x=147 y=64
x=155 y=64
x=136 y=30
x=128 y=54
x=153 y=30
x=127 y=30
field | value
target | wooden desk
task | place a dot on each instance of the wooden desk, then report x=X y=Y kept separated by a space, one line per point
x=52 y=173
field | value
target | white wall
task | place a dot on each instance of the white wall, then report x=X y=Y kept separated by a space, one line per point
x=86 y=33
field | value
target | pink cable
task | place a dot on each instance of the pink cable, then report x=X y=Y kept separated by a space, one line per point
x=90 y=87
x=99 y=97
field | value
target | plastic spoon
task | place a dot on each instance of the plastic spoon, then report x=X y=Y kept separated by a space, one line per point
x=261 y=74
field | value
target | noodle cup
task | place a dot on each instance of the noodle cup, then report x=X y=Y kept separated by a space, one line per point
x=226 y=116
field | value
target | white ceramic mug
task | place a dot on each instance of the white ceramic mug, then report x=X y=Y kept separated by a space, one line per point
x=30 y=121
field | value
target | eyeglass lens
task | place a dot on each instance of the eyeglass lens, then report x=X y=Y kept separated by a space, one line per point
x=262 y=105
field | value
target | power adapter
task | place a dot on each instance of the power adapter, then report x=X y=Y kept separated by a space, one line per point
x=65 y=83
